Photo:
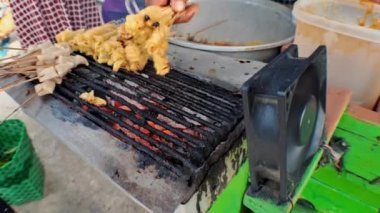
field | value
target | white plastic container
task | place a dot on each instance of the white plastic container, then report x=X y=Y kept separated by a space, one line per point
x=353 y=60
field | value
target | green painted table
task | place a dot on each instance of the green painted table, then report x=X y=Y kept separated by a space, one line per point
x=354 y=189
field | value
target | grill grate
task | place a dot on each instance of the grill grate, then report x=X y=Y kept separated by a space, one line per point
x=176 y=120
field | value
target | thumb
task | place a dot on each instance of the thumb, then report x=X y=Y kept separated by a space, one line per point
x=178 y=5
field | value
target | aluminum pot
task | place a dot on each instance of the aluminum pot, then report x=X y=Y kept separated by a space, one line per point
x=238 y=22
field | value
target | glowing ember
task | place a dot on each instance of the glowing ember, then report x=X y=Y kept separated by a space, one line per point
x=133 y=136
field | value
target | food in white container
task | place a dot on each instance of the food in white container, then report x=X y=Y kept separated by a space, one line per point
x=353 y=51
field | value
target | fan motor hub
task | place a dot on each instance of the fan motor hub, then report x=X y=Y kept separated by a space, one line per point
x=307 y=120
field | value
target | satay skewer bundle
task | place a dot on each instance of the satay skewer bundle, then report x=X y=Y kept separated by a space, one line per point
x=144 y=35
x=44 y=62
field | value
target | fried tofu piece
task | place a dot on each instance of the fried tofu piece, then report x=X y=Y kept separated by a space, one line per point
x=92 y=99
x=67 y=35
x=40 y=46
x=46 y=59
x=80 y=60
x=47 y=74
x=45 y=88
x=58 y=80
x=63 y=68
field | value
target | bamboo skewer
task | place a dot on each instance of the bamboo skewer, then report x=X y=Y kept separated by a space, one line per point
x=29 y=67
x=16 y=72
x=18 y=63
x=8 y=58
x=19 y=107
x=4 y=76
x=16 y=83
x=209 y=27
x=190 y=37
x=22 y=58
x=11 y=48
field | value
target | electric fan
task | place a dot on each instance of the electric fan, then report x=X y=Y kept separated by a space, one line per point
x=284 y=112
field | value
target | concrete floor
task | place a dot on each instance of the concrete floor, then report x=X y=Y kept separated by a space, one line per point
x=71 y=184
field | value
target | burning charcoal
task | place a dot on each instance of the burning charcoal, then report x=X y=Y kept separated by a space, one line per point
x=170 y=122
x=131 y=101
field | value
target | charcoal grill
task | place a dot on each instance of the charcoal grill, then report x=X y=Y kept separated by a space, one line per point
x=179 y=129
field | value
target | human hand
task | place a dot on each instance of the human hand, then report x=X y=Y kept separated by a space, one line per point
x=180 y=6
x=286 y=46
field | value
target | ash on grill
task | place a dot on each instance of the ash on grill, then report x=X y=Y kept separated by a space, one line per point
x=176 y=120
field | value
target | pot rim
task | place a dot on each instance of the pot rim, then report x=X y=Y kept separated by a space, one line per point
x=215 y=48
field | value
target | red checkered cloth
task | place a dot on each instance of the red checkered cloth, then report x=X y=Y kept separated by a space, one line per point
x=41 y=20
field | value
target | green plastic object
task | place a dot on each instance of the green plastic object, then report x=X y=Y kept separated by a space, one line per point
x=232 y=197
x=21 y=173
x=357 y=187
x=354 y=189
x=260 y=205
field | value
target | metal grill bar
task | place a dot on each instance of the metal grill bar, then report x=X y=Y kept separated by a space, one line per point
x=188 y=102
x=199 y=86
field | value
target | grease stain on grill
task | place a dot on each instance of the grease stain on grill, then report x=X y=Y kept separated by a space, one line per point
x=28 y=92
x=122 y=145
x=216 y=181
x=143 y=160
x=116 y=174
x=212 y=71
x=164 y=173
x=68 y=115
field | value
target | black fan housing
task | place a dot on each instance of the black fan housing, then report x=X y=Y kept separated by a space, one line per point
x=284 y=112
